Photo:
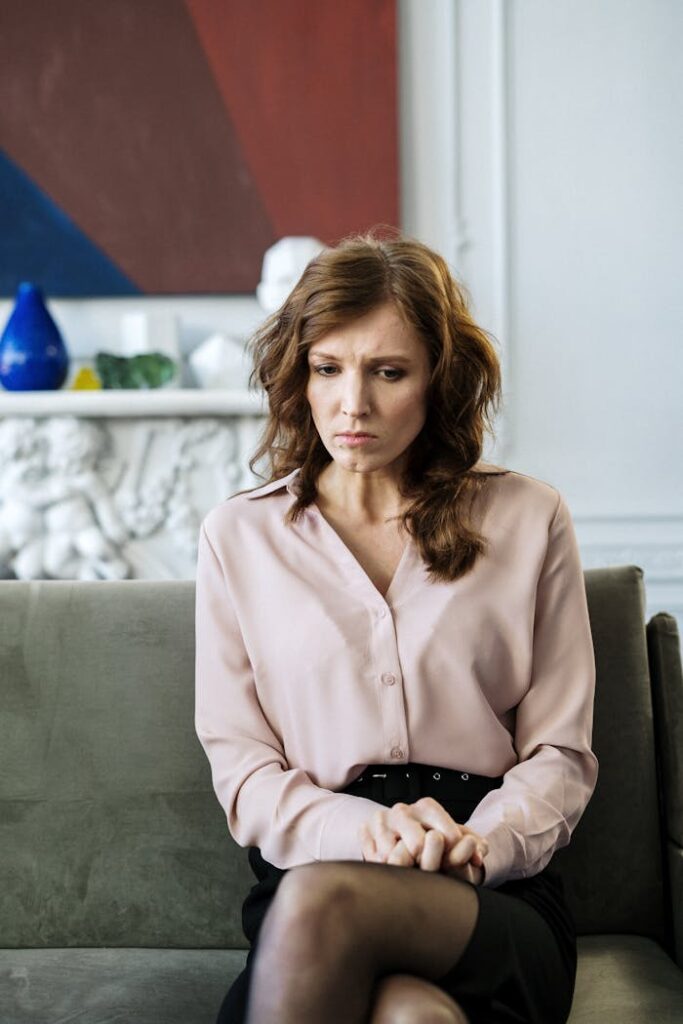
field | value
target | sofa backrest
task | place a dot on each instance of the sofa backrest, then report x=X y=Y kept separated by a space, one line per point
x=613 y=866
x=110 y=831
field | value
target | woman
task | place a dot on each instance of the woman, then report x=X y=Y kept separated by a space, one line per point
x=394 y=669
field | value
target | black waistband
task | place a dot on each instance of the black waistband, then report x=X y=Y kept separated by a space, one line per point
x=408 y=782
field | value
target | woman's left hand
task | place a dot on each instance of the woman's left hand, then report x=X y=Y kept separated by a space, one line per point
x=448 y=846
x=463 y=860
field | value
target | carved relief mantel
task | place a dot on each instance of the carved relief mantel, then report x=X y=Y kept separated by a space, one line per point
x=114 y=484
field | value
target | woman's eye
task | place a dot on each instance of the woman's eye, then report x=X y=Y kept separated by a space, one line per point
x=320 y=370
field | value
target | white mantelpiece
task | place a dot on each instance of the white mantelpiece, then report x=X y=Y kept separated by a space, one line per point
x=114 y=484
x=151 y=402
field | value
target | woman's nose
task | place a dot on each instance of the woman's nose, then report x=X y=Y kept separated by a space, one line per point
x=355 y=399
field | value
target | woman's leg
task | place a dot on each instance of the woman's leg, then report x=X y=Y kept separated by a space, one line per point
x=335 y=928
x=406 y=999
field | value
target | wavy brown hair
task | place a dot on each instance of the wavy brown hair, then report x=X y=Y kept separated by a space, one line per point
x=339 y=285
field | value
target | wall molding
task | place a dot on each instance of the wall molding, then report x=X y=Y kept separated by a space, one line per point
x=455 y=155
x=652 y=542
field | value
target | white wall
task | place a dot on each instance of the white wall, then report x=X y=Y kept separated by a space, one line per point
x=566 y=193
x=597 y=204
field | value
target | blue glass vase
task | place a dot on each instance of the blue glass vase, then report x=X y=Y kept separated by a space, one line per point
x=33 y=356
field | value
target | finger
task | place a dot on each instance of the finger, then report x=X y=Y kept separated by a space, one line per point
x=468 y=873
x=464 y=871
x=401 y=856
x=463 y=850
x=432 y=851
x=430 y=814
x=481 y=842
x=368 y=848
x=384 y=836
x=460 y=829
x=402 y=819
x=481 y=848
x=478 y=854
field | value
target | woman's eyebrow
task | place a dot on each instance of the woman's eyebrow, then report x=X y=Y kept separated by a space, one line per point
x=397 y=358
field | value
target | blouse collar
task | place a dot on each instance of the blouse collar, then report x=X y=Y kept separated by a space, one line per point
x=290 y=481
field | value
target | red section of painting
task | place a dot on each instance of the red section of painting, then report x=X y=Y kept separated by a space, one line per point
x=113 y=112
x=183 y=139
x=311 y=89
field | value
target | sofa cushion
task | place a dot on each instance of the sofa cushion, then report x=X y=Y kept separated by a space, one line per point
x=621 y=979
x=625 y=979
x=100 y=986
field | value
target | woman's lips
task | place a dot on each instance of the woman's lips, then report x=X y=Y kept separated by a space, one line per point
x=355 y=439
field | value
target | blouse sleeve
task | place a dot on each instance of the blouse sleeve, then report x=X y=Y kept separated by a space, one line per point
x=543 y=796
x=266 y=803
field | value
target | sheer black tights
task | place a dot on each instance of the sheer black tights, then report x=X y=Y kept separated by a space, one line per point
x=336 y=928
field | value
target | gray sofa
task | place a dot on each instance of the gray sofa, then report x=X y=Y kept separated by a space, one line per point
x=121 y=888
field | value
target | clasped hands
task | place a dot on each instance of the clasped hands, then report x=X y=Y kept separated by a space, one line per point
x=424 y=835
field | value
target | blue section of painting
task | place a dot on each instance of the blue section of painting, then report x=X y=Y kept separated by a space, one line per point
x=39 y=243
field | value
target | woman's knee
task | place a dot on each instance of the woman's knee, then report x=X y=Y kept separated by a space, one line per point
x=407 y=999
x=313 y=904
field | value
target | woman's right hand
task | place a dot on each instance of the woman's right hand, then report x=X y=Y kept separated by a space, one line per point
x=423 y=834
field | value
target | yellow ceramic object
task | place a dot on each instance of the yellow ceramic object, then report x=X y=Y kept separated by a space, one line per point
x=86 y=380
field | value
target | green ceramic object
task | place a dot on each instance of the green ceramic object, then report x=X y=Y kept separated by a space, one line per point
x=150 y=370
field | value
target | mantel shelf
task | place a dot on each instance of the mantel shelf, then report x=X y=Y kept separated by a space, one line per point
x=133 y=403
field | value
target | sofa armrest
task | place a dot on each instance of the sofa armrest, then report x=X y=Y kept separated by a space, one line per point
x=666 y=675
x=676 y=882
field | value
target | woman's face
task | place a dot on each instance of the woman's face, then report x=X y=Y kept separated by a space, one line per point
x=370 y=376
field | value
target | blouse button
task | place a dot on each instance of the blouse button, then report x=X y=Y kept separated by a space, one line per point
x=381 y=612
x=388 y=678
x=396 y=752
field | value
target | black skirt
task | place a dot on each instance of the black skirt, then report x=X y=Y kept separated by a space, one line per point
x=520 y=963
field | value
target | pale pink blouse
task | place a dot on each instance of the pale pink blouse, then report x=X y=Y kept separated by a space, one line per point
x=305 y=674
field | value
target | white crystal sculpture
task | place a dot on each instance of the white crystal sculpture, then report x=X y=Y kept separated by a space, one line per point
x=283 y=265
x=221 y=362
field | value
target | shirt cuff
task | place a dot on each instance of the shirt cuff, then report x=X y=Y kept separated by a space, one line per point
x=339 y=838
x=500 y=860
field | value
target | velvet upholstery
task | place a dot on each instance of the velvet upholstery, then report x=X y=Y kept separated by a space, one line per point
x=621 y=889
x=121 y=888
x=667 y=692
